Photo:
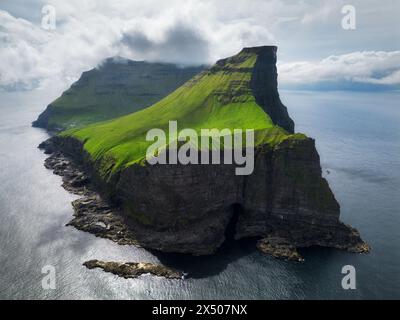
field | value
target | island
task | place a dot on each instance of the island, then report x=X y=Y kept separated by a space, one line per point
x=194 y=209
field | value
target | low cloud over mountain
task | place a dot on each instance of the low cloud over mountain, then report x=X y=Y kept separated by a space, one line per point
x=313 y=48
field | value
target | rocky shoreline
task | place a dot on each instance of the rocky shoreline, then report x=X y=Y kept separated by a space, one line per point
x=91 y=213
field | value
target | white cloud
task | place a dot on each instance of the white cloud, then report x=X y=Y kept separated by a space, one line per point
x=322 y=12
x=373 y=67
x=187 y=32
x=183 y=31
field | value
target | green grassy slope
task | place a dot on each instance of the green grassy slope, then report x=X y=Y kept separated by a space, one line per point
x=217 y=98
x=118 y=87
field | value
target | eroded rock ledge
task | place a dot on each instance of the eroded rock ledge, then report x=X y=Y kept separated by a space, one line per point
x=129 y=270
x=280 y=248
x=283 y=245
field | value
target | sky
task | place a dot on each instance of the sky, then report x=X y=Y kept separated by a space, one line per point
x=314 y=49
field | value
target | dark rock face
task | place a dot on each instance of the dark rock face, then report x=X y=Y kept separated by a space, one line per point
x=264 y=85
x=287 y=185
x=134 y=269
x=187 y=209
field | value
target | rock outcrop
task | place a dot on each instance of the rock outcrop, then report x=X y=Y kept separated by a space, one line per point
x=91 y=213
x=279 y=247
x=193 y=208
x=130 y=270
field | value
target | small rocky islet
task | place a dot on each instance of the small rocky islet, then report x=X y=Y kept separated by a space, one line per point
x=131 y=270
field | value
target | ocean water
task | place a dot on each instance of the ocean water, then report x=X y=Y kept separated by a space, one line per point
x=357 y=137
